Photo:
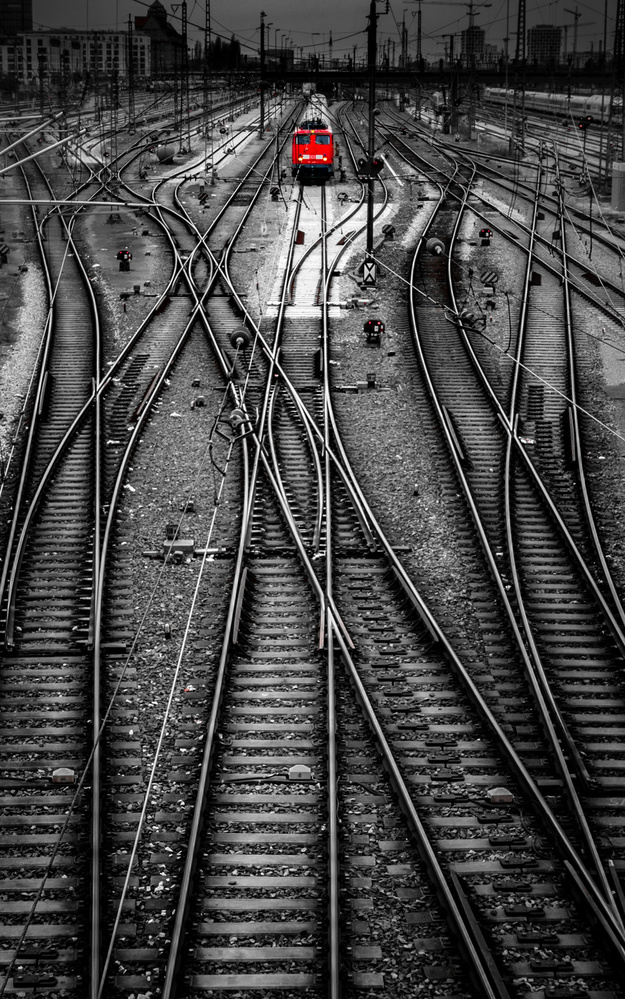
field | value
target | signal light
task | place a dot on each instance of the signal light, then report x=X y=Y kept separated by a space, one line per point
x=368 y=169
x=486 y=233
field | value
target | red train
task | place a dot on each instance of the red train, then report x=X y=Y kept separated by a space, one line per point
x=313 y=150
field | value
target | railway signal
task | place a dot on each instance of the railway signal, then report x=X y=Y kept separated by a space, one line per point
x=368 y=169
x=374 y=328
x=124 y=257
x=485 y=236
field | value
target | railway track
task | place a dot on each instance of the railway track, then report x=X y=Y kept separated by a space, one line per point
x=254 y=838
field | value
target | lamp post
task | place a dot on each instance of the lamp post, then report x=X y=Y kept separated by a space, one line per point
x=314 y=59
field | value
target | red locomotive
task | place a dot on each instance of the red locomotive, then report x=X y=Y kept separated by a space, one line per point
x=313 y=150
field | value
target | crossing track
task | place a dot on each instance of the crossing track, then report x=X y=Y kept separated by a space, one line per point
x=236 y=883
x=523 y=553
x=594 y=249
x=53 y=590
x=590 y=967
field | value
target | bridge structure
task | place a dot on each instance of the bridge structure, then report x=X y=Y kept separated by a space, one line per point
x=596 y=77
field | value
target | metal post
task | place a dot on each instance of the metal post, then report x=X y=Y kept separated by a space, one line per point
x=131 y=77
x=506 y=58
x=185 y=80
x=262 y=74
x=371 y=56
x=208 y=96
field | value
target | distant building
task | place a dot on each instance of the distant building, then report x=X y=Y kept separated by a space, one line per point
x=50 y=55
x=544 y=43
x=16 y=16
x=166 y=42
x=274 y=58
x=472 y=42
x=491 y=55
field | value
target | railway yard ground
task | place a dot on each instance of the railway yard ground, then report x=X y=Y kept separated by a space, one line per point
x=402 y=479
x=321 y=634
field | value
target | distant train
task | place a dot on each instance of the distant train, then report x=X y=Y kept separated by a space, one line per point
x=312 y=155
x=597 y=105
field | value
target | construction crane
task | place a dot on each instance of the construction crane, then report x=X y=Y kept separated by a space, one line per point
x=576 y=14
x=471 y=4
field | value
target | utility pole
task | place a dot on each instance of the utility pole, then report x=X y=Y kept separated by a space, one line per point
x=131 y=77
x=42 y=64
x=419 y=53
x=520 y=83
x=507 y=60
x=207 y=92
x=403 y=62
x=369 y=269
x=185 y=76
x=262 y=74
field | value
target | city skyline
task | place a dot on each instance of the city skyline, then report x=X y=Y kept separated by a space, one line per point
x=344 y=26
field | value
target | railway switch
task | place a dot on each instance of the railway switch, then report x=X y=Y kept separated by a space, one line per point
x=179 y=546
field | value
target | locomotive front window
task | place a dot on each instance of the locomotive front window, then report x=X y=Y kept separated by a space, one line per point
x=322 y=140
x=302 y=140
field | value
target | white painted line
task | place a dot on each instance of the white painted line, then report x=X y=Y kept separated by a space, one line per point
x=387 y=164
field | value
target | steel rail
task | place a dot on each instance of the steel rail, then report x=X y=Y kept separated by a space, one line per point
x=508 y=504
x=615 y=616
x=316 y=463
x=585 y=292
x=179 y=931
x=488 y=985
x=172 y=981
x=95 y=817
x=610 y=921
x=577 y=449
x=536 y=658
x=486 y=159
x=334 y=956
x=8 y=583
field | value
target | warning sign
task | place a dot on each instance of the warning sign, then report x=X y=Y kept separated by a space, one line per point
x=368 y=272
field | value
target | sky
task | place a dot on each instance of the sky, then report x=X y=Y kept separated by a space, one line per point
x=310 y=26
